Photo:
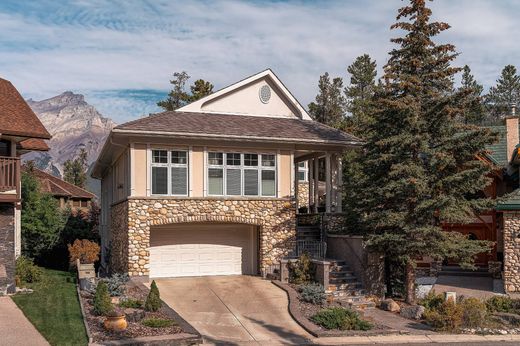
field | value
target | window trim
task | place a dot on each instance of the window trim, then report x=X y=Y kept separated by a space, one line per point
x=242 y=167
x=305 y=171
x=169 y=166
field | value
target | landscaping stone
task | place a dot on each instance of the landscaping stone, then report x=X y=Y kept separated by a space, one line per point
x=390 y=305
x=134 y=315
x=413 y=312
x=509 y=318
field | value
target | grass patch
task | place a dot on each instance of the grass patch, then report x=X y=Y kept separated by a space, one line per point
x=54 y=308
x=157 y=322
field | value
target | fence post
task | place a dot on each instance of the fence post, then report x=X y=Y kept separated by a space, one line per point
x=322 y=273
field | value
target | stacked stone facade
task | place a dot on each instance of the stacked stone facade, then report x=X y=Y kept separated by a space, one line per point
x=133 y=221
x=512 y=251
x=7 y=249
x=303 y=194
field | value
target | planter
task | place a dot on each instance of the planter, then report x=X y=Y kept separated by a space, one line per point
x=116 y=323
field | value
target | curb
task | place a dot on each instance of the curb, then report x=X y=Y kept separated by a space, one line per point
x=418 y=339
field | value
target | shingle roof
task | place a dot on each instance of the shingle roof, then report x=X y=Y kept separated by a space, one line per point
x=16 y=117
x=510 y=201
x=57 y=187
x=239 y=126
x=33 y=144
x=498 y=151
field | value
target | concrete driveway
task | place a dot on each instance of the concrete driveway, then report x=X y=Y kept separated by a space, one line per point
x=233 y=309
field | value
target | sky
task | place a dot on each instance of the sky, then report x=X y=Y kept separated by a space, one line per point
x=121 y=54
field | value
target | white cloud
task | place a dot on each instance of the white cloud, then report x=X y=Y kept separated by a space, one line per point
x=91 y=46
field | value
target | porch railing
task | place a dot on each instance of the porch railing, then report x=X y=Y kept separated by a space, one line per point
x=9 y=174
x=315 y=249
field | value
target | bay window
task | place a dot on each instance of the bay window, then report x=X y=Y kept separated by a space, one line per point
x=241 y=174
x=169 y=172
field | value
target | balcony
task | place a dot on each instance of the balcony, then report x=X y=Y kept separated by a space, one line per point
x=9 y=178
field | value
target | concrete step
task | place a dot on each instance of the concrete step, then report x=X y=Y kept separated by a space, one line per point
x=458 y=271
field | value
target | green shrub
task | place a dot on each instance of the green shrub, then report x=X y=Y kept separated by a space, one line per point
x=116 y=284
x=313 y=293
x=157 y=322
x=502 y=304
x=131 y=303
x=340 y=318
x=432 y=300
x=27 y=271
x=153 y=301
x=102 y=303
x=301 y=271
x=474 y=313
x=447 y=317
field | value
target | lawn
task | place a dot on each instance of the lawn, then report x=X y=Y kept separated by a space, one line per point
x=54 y=309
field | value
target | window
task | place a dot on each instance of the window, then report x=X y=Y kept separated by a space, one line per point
x=303 y=171
x=237 y=174
x=169 y=172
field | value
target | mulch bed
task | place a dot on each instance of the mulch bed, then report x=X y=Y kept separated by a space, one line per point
x=302 y=312
x=135 y=329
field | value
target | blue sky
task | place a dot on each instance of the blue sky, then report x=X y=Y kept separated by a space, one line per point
x=121 y=53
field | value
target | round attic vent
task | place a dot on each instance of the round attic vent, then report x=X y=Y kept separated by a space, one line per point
x=265 y=93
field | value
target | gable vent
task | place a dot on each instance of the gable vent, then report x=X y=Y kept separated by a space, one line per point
x=265 y=93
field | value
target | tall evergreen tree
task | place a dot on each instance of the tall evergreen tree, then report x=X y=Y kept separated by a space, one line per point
x=329 y=107
x=474 y=112
x=75 y=171
x=506 y=92
x=179 y=97
x=360 y=93
x=421 y=163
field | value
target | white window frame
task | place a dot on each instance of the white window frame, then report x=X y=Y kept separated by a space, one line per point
x=169 y=166
x=304 y=170
x=242 y=167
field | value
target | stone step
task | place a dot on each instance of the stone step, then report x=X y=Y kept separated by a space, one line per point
x=339 y=268
x=340 y=273
x=344 y=286
x=458 y=271
x=337 y=263
x=363 y=305
x=342 y=280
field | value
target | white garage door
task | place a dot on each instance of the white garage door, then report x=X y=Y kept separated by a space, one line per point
x=202 y=249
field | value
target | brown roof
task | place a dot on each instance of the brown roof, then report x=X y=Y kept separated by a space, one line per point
x=57 y=187
x=33 y=144
x=239 y=126
x=16 y=117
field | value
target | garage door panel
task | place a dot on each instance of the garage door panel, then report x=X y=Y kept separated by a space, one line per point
x=204 y=249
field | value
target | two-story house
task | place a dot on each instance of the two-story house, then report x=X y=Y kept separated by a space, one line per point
x=20 y=131
x=212 y=188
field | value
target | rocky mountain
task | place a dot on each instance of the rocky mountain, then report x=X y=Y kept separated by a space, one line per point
x=73 y=124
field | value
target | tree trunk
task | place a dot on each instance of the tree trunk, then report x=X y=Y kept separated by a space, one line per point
x=410 y=282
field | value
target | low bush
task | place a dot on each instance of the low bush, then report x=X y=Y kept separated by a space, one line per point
x=502 y=304
x=157 y=322
x=447 y=317
x=131 y=303
x=432 y=300
x=474 y=313
x=153 y=300
x=116 y=284
x=85 y=250
x=340 y=318
x=27 y=271
x=301 y=271
x=312 y=293
x=102 y=302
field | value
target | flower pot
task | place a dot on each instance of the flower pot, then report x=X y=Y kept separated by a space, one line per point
x=116 y=323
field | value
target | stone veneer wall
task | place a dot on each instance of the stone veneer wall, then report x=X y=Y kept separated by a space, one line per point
x=335 y=223
x=7 y=257
x=276 y=219
x=119 y=244
x=512 y=251
x=303 y=194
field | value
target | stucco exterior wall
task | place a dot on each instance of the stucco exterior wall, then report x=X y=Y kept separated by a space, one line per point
x=7 y=248
x=511 y=251
x=133 y=220
x=139 y=170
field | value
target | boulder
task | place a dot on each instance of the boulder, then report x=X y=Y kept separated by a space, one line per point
x=413 y=312
x=134 y=315
x=390 y=305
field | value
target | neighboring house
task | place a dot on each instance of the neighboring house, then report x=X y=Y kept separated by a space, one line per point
x=68 y=195
x=212 y=188
x=20 y=132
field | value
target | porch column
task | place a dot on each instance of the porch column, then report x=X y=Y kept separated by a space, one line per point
x=328 y=182
x=339 y=196
x=316 y=183
x=310 y=179
x=295 y=175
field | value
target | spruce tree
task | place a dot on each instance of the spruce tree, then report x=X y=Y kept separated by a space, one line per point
x=474 y=112
x=506 y=92
x=360 y=93
x=200 y=89
x=179 y=97
x=329 y=107
x=75 y=171
x=422 y=166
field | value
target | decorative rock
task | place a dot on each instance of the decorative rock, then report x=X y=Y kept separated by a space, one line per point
x=390 y=305
x=413 y=312
x=134 y=315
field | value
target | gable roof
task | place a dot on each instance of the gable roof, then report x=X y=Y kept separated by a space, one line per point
x=266 y=74
x=231 y=126
x=57 y=187
x=16 y=117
